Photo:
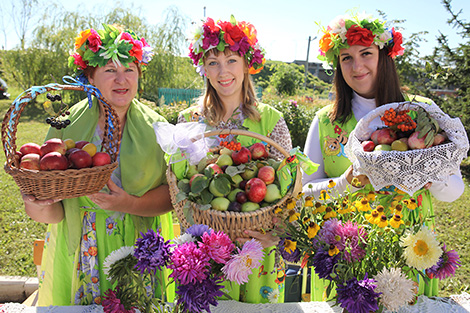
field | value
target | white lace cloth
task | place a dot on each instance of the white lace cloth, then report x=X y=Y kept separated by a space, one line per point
x=408 y=170
x=454 y=304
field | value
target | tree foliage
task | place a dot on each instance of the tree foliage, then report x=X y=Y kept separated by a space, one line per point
x=287 y=78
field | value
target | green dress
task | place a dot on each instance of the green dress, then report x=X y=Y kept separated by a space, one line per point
x=333 y=138
x=269 y=278
x=75 y=249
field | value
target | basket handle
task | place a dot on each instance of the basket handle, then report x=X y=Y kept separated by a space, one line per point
x=248 y=134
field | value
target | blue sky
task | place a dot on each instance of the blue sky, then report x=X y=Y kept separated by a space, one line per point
x=284 y=26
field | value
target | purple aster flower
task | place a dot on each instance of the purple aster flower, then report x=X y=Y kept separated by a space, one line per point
x=446 y=266
x=324 y=263
x=329 y=231
x=189 y=264
x=289 y=257
x=244 y=46
x=217 y=245
x=198 y=297
x=151 y=252
x=358 y=296
x=210 y=38
x=350 y=242
x=197 y=230
x=257 y=57
x=112 y=304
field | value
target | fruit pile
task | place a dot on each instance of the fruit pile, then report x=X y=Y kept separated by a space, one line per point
x=404 y=132
x=241 y=180
x=57 y=154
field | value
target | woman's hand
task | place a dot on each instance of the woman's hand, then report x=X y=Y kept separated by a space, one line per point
x=267 y=239
x=362 y=180
x=116 y=200
x=48 y=211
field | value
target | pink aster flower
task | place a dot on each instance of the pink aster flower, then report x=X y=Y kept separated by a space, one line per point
x=112 y=304
x=79 y=61
x=242 y=264
x=446 y=266
x=351 y=242
x=217 y=245
x=189 y=264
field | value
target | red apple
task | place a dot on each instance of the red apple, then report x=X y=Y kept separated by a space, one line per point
x=267 y=174
x=101 y=158
x=31 y=147
x=439 y=138
x=81 y=143
x=53 y=145
x=53 y=161
x=216 y=168
x=80 y=159
x=30 y=161
x=386 y=136
x=241 y=156
x=258 y=151
x=416 y=143
x=368 y=145
x=255 y=190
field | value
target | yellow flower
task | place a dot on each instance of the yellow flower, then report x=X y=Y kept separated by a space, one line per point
x=333 y=250
x=306 y=220
x=300 y=195
x=331 y=183
x=290 y=204
x=411 y=203
x=308 y=201
x=371 y=196
x=363 y=205
x=422 y=249
x=277 y=210
x=383 y=222
x=290 y=246
x=396 y=221
x=324 y=195
x=312 y=230
x=329 y=213
x=293 y=216
x=380 y=209
x=345 y=207
x=373 y=217
x=356 y=183
x=319 y=208
x=398 y=209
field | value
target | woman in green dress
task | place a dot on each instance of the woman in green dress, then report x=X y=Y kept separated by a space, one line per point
x=227 y=52
x=361 y=50
x=83 y=231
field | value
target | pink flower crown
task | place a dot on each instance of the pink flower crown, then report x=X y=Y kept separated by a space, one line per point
x=346 y=31
x=237 y=36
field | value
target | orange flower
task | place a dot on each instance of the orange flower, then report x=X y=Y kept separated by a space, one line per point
x=253 y=71
x=325 y=42
x=250 y=31
x=81 y=38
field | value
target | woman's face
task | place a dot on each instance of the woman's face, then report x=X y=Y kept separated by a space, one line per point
x=359 y=68
x=118 y=84
x=226 y=74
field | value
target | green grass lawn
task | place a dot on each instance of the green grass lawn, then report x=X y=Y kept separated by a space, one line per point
x=18 y=231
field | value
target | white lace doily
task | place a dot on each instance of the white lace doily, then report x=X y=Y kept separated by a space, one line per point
x=408 y=170
x=453 y=304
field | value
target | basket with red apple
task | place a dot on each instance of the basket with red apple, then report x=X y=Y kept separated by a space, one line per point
x=49 y=171
x=407 y=144
x=233 y=191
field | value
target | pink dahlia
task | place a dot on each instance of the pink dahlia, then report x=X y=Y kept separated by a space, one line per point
x=189 y=264
x=217 y=245
x=241 y=265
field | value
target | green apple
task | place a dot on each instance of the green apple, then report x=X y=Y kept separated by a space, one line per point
x=219 y=188
x=250 y=171
x=220 y=204
x=224 y=159
x=192 y=169
x=272 y=193
x=383 y=147
x=250 y=206
x=237 y=179
x=225 y=151
x=233 y=194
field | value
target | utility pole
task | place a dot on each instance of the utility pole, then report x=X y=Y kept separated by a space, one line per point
x=306 y=62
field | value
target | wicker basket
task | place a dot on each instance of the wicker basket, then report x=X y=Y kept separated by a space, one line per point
x=231 y=223
x=59 y=184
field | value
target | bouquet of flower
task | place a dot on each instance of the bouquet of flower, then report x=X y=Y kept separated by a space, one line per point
x=200 y=260
x=371 y=251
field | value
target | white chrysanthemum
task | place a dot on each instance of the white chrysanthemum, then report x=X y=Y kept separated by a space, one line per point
x=273 y=296
x=421 y=249
x=397 y=290
x=197 y=36
x=115 y=256
x=183 y=239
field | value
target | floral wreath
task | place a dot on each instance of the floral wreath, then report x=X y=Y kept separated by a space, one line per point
x=345 y=31
x=237 y=36
x=97 y=48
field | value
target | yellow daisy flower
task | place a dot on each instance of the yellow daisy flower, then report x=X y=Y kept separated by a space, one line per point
x=411 y=203
x=306 y=220
x=312 y=230
x=422 y=250
x=380 y=209
x=363 y=205
x=277 y=210
x=331 y=183
x=300 y=195
x=399 y=209
x=330 y=213
x=309 y=201
x=290 y=246
x=293 y=216
x=371 y=196
x=324 y=195
x=319 y=208
x=356 y=183
x=373 y=217
x=383 y=222
x=333 y=250
x=290 y=204
x=396 y=221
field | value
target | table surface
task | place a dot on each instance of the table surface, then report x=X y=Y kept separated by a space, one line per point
x=456 y=303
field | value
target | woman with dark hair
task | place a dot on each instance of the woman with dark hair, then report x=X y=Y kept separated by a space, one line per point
x=227 y=53
x=361 y=50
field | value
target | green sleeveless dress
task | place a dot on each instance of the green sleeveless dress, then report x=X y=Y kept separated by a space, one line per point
x=75 y=248
x=268 y=279
x=333 y=138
